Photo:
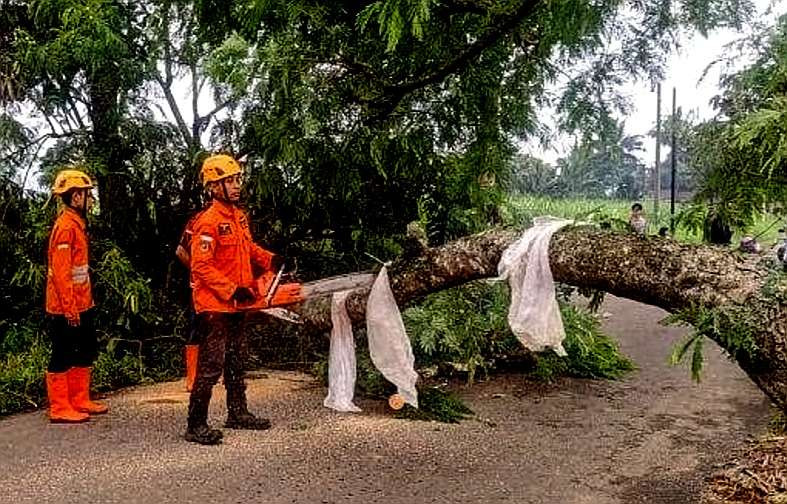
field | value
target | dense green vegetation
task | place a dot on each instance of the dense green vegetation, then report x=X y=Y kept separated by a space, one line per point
x=355 y=119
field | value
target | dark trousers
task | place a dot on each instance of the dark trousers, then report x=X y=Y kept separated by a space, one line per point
x=221 y=351
x=72 y=346
x=195 y=327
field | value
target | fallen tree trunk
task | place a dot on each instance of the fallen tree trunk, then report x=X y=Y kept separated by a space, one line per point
x=738 y=301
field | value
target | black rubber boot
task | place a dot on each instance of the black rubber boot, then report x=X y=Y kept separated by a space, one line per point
x=238 y=416
x=248 y=421
x=197 y=430
x=203 y=435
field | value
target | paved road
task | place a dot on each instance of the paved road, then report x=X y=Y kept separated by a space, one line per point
x=650 y=438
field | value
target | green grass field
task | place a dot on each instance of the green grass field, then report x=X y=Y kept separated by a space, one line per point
x=520 y=210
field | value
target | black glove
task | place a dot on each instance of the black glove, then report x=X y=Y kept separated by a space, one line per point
x=243 y=295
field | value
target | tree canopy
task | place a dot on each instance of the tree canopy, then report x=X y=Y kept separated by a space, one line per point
x=741 y=155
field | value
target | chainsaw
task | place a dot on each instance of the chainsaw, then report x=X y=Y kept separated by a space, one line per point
x=273 y=295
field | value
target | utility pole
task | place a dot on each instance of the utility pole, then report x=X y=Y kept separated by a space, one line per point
x=657 y=170
x=674 y=167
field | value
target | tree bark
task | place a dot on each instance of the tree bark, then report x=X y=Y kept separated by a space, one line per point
x=747 y=298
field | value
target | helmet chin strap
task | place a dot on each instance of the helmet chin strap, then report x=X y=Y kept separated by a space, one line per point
x=82 y=209
x=224 y=194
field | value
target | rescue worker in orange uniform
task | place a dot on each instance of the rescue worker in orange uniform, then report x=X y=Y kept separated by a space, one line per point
x=69 y=302
x=222 y=252
x=183 y=253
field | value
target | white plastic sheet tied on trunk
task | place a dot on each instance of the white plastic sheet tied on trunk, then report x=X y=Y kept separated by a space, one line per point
x=341 y=360
x=534 y=315
x=389 y=346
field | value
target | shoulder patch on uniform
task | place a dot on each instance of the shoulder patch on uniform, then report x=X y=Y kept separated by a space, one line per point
x=204 y=242
x=225 y=229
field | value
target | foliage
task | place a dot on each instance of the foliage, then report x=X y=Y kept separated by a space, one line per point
x=436 y=405
x=464 y=330
x=24 y=355
x=591 y=353
x=778 y=423
x=531 y=175
x=340 y=120
x=465 y=326
x=741 y=155
x=519 y=211
x=111 y=372
x=691 y=218
x=603 y=164
x=348 y=135
x=730 y=328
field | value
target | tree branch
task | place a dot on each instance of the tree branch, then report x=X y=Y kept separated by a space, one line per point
x=393 y=94
x=174 y=109
x=42 y=138
x=203 y=121
x=75 y=112
x=195 y=90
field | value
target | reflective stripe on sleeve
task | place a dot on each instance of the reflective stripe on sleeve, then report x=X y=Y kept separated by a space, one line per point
x=79 y=274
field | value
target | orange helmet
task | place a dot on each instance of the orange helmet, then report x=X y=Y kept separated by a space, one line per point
x=70 y=179
x=218 y=167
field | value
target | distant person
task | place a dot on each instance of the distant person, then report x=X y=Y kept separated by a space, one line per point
x=69 y=304
x=717 y=231
x=781 y=248
x=750 y=245
x=637 y=220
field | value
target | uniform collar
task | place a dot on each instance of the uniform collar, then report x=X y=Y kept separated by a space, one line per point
x=72 y=214
x=226 y=209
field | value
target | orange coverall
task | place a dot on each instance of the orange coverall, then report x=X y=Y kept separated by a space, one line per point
x=222 y=251
x=68 y=281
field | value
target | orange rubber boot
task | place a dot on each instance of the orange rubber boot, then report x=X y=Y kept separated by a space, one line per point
x=79 y=392
x=60 y=409
x=192 y=353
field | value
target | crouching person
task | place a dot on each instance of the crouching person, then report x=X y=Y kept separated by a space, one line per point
x=69 y=303
x=222 y=252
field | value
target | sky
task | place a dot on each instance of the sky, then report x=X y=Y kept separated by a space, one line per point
x=684 y=71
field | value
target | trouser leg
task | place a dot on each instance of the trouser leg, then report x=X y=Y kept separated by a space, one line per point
x=238 y=416
x=195 y=328
x=72 y=346
x=85 y=341
x=210 y=366
x=191 y=351
x=234 y=365
x=60 y=334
